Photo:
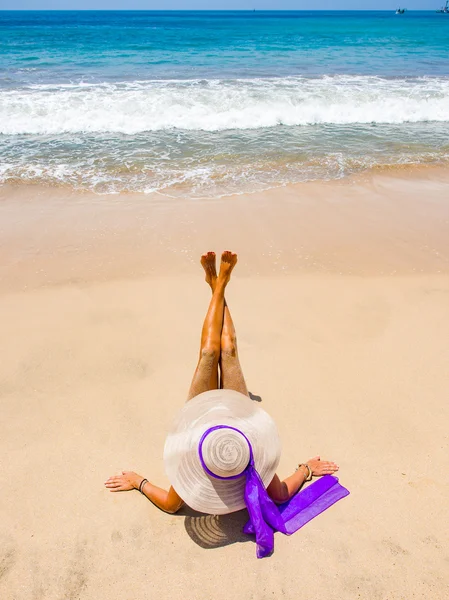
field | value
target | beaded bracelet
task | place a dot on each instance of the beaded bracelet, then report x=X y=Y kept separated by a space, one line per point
x=309 y=471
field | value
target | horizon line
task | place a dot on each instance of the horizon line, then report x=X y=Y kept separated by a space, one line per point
x=209 y=10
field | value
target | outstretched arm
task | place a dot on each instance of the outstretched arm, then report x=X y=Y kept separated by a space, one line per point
x=168 y=501
x=281 y=491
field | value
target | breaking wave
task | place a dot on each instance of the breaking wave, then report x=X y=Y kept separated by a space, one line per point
x=220 y=105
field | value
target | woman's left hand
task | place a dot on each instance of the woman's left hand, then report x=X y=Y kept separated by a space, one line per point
x=128 y=480
x=321 y=467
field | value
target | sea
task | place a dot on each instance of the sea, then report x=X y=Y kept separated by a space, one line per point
x=206 y=104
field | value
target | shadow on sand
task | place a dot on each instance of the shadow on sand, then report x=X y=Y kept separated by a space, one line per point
x=215 y=531
x=255 y=397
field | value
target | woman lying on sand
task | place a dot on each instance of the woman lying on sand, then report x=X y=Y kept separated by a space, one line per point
x=221 y=435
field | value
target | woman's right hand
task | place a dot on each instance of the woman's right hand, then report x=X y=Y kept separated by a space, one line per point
x=321 y=467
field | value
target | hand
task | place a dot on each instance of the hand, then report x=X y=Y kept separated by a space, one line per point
x=321 y=467
x=128 y=480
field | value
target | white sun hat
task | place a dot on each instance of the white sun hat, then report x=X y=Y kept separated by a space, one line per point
x=199 y=454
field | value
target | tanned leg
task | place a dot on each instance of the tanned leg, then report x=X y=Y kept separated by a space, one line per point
x=206 y=374
x=231 y=371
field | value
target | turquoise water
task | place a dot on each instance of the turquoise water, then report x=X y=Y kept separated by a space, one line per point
x=209 y=103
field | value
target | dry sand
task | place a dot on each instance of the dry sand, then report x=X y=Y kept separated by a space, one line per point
x=341 y=303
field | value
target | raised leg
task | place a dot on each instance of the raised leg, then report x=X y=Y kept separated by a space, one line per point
x=231 y=371
x=206 y=374
x=230 y=368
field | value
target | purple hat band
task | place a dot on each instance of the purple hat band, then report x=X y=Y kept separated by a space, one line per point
x=265 y=517
x=200 y=452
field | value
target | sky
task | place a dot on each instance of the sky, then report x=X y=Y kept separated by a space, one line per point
x=218 y=4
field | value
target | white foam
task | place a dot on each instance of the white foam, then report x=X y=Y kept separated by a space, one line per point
x=214 y=105
x=211 y=180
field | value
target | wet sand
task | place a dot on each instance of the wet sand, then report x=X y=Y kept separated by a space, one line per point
x=341 y=304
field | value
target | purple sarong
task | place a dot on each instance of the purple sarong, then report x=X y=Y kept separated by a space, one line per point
x=265 y=517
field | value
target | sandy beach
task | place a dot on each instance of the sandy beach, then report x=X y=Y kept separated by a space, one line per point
x=341 y=304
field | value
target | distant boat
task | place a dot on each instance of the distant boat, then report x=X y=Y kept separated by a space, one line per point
x=401 y=11
x=444 y=9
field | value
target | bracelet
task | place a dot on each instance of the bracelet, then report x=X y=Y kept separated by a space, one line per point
x=309 y=471
x=142 y=483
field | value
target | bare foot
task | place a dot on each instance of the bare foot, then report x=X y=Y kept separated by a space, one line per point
x=208 y=262
x=228 y=262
